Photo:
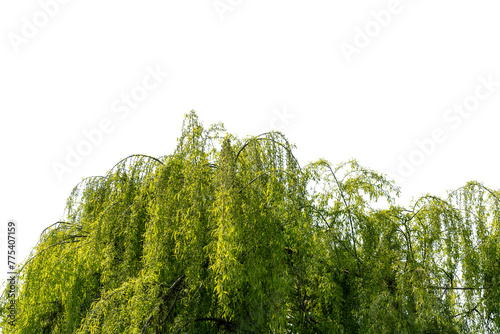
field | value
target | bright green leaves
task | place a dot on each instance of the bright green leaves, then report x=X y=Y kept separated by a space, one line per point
x=228 y=235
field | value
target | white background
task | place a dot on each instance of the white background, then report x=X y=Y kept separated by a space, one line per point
x=242 y=65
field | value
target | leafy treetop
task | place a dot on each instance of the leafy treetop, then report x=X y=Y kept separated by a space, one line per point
x=230 y=235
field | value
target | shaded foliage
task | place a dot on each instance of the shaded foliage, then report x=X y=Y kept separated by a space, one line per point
x=233 y=236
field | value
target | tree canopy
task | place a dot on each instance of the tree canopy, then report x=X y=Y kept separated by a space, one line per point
x=233 y=236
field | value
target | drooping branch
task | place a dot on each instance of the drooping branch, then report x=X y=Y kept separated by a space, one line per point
x=163 y=299
x=339 y=240
x=135 y=155
x=262 y=174
x=45 y=229
x=265 y=138
x=348 y=208
x=49 y=247
x=101 y=301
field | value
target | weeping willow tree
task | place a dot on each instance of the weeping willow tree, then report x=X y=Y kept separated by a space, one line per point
x=233 y=236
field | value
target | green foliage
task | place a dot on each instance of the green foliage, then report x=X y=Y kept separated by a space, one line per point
x=233 y=236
